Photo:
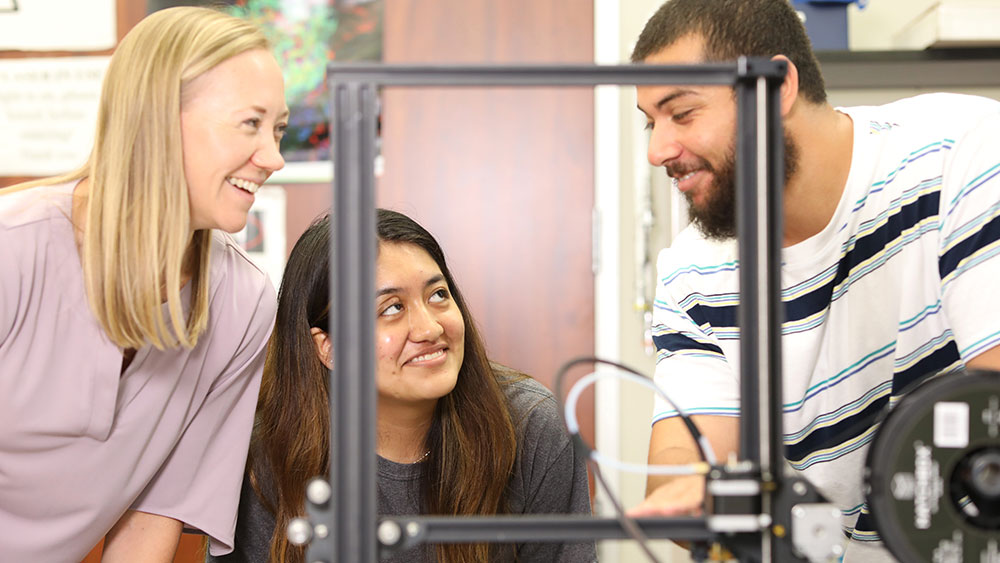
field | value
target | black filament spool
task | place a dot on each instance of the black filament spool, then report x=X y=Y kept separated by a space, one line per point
x=933 y=471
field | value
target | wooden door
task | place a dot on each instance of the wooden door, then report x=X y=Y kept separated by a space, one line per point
x=503 y=177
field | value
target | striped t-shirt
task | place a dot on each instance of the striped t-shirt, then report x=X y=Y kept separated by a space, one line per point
x=901 y=284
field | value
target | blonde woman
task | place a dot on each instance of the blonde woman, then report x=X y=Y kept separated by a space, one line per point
x=132 y=329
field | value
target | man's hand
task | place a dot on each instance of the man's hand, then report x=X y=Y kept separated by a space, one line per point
x=681 y=496
x=671 y=444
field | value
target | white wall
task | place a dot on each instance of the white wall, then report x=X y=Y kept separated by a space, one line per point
x=874 y=27
x=624 y=410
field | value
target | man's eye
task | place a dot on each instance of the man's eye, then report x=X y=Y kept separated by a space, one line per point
x=682 y=116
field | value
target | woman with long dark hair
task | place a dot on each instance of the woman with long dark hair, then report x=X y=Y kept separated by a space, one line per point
x=456 y=434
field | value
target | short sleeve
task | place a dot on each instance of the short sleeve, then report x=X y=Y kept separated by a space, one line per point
x=9 y=285
x=554 y=477
x=691 y=367
x=199 y=483
x=254 y=529
x=969 y=255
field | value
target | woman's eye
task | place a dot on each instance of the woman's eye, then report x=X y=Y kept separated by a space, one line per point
x=279 y=131
x=393 y=309
x=439 y=295
x=253 y=122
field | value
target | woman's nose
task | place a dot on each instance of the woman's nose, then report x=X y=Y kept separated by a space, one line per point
x=424 y=325
x=268 y=156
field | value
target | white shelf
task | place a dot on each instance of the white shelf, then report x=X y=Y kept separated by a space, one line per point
x=932 y=68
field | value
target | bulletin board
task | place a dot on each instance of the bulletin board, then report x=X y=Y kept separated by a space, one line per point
x=49 y=86
x=57 y=25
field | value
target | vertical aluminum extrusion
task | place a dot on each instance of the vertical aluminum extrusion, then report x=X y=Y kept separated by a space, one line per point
x=350 y=514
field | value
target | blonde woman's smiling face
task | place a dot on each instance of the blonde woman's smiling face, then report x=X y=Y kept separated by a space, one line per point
x=232 y=119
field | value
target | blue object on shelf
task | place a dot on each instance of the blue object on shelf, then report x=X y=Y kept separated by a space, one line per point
x=860 y=3
x=826 y=22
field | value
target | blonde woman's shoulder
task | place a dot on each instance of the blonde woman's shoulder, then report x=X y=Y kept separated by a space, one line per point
x=231 y=265
x=24 y=206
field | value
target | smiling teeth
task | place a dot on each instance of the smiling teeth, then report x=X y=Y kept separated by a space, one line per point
x=686 y=176
x=430 y=356
x=246 y=185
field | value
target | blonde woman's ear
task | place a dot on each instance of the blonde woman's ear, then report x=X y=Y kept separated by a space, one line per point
x=323 y=346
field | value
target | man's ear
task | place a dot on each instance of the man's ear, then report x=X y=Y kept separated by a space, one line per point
x=790 y=87
x=323 y=346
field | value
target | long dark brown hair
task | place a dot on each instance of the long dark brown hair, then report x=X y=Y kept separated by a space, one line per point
x=471 y=439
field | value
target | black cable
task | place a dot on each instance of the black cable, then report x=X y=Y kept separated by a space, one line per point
x=561 y=375
x=583 y=449
x=628 y=523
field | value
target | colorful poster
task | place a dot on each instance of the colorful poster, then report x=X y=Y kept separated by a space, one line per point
x=307 y=35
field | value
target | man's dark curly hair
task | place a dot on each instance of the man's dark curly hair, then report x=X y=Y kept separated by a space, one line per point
x=734 y=28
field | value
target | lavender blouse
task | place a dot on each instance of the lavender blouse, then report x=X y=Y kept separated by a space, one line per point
x=81 y=442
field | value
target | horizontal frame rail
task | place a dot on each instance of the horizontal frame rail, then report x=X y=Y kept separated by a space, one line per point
x=348 y=518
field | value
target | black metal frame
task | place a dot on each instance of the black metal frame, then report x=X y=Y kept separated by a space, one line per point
x=349 y=520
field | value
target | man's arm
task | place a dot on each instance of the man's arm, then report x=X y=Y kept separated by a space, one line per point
x=989 y=359
x=671 y=444
x=140 y=536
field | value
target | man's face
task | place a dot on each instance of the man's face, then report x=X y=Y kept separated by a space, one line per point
x=692 y=135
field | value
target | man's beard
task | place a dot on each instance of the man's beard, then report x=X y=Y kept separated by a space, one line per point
x=716 y=219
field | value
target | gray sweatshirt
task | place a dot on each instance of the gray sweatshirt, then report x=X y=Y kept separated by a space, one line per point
x=548 y=478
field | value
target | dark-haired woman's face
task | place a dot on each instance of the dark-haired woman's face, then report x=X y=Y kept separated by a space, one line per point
x=419 y=330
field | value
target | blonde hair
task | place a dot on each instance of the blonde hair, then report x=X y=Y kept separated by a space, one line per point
x=137 y=239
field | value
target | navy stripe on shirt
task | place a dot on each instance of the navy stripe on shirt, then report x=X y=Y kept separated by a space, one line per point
x=908 y=216
x=932 y=364
x=866 y=523
x=674 y=342
x=830 y=437
x=717 y=316
x=864 y=249
x=988 y=234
